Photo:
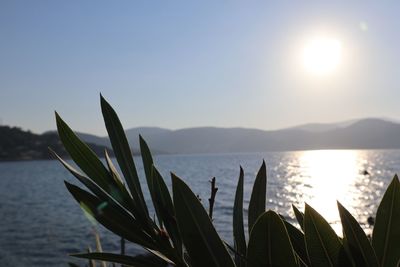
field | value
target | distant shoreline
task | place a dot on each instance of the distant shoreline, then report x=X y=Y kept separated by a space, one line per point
x=366 y=134
x=67 y=157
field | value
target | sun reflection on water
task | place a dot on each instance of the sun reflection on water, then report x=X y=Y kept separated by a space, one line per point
x=327 y=176
x=330 y=174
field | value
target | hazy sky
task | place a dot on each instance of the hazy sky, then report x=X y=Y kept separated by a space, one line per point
x=177 y=64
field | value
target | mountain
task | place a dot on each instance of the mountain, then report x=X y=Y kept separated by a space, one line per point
x=17 y=144
x=368 y=133
x=361 y=134
x=152 y=134
x=323 y=127
x=357 y=134
x=94 y=139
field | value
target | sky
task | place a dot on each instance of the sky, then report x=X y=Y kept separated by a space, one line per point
x=178 y=64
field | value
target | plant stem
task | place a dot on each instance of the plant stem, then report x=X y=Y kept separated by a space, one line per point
x=211 y=200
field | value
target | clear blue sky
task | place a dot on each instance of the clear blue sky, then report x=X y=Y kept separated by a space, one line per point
x=177 y=64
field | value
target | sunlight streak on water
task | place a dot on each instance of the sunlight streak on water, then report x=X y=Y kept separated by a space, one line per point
x=322 y=177
x=41 y=224
x=330 y=174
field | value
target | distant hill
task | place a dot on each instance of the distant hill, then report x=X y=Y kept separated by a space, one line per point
x=16 y=144
x=368 y=133
x=357 y=134
x=93 y=139
x=152 y=134
x=323 y=127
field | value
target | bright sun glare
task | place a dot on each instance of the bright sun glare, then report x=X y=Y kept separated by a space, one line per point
x=331 y=175
x=322 y=55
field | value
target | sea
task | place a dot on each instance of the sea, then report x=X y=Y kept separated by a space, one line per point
x=41 y=224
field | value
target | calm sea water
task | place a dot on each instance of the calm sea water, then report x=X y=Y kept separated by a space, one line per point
x=40 y=224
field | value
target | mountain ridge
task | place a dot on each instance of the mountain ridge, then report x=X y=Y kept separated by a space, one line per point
x=368 y=133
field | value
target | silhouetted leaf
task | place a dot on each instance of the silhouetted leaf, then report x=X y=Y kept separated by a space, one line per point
x=114 y=199
x=147 y=166
x=269 y=243
x=238 y=228
x=297 y=240
x=323 y=245
x=113 y=170
x=164 y=206
x=299 y=216
x=200 y=238
x=118 y=206
x=137 y=261
x=119 y=223
x=146 y=158
x=124 y=157
x=84 y=157
x=258 y=196
x=386 y=233
x=357 y=242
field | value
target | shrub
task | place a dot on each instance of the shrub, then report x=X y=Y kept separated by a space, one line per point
x=183 y=234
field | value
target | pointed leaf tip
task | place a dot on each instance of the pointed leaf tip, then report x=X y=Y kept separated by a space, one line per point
x=123 y=154
x=356 y=241
x=386 y=232
x=238 y=225
x=257 y=202
x=201 y=240
x=83 y=156
x=299 y=216
x=323 y=245
x=269 y=243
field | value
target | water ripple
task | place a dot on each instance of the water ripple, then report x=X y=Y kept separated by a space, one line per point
x=41 y=224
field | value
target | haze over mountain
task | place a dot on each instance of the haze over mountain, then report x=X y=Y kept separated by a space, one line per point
x=370 y=133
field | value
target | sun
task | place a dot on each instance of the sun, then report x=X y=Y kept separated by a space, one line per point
x=322 y=55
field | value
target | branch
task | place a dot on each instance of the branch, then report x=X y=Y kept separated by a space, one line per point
x=211 y=200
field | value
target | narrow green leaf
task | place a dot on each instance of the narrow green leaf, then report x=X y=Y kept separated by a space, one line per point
x=114 y=200
x=137 y=261
x=147 y=158
x=84 y=157
x=147 y=166
x=165 y=208
x=258 y=196
x=299 y=216
x=163 y=257
x=113 y=170
x=297 y=240
x=301 y=262
x=269 y=243
x=323 y=245
x=200 y=238
x=119 y=223
x=124 y=157
x=361 y=250
x=386 y=233
x=238 y=228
